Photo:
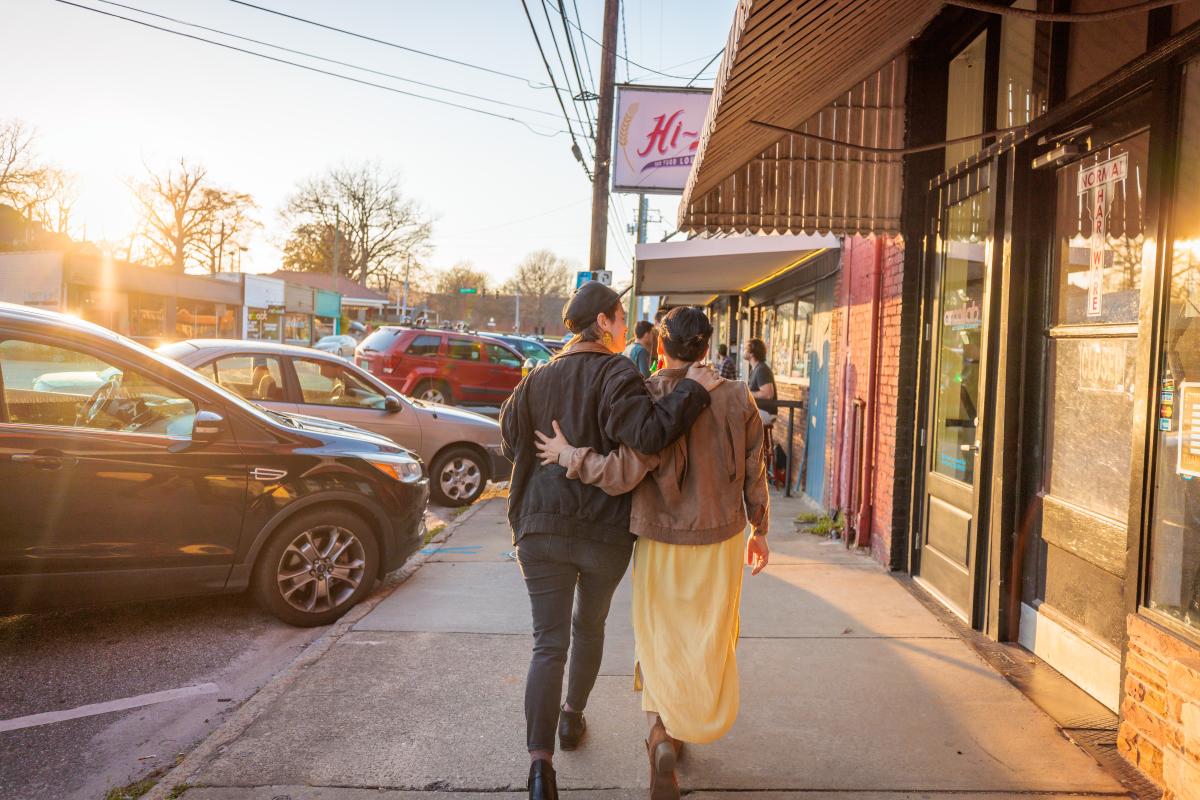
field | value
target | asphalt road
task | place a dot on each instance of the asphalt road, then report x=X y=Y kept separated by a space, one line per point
x=60 y=661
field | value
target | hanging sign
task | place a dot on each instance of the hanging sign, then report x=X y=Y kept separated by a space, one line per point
x=1188 y=413
x=1099 y=178
x=657 y=136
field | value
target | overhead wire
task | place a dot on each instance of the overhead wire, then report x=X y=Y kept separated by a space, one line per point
x=557 y=93
x=575 y=97
x=624 y=38
x=614 y=50
x=706 y=66
x=583 y=49
x=316 y=57
x=317 y=70
x=384 y=42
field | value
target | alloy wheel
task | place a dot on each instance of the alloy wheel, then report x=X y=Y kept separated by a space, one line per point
x=433 y=394
x=460 y=478
x=321 y=568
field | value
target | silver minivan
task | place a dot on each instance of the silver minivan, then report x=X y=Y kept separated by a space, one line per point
x=462 y=448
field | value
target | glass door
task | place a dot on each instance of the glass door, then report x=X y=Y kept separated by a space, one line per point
x=957 y=327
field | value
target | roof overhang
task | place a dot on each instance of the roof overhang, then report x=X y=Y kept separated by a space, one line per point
x=834 y=70
x=729 y=265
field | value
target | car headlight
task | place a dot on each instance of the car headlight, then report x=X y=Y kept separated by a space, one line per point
x=398 y=467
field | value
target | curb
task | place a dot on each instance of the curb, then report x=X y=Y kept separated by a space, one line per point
x=254 y=705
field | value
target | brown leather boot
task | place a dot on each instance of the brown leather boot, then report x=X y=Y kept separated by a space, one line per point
x=663 y=783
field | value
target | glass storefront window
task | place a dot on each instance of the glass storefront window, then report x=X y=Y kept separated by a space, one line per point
x=1174 y=580
x=960 y=338
x=296 y=329
x=195 y=320
x=146 y=316
x=964 y=99
x=1017 y=101
x=802 y=340
x=1100 y=273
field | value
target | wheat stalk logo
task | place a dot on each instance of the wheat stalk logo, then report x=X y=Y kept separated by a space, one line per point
x=623 y=133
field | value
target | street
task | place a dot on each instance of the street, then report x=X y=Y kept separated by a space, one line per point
x=221 y=649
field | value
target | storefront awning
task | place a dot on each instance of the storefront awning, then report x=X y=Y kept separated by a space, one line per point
x=832 y=70
x=701 y=268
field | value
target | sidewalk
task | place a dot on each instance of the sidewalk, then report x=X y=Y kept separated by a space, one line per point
x=850 y=689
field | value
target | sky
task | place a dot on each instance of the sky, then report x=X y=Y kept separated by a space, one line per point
x=109 y=98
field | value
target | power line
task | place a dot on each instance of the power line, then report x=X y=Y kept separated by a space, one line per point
x=557 y=93
x=624 y=38
x=309 y=68
x=385 y=43
x=628 y=61
x=706 y=66
x=583 y=49
x=316 y=57
x=575 y=99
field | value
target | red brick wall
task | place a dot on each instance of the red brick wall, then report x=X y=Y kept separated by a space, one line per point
x=1160 y=709
x=851 y=348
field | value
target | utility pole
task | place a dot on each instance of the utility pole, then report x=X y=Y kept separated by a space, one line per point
x=517 y=321
x=407 y=267
x=643 y=213
x=604 y=125
x=337 y=223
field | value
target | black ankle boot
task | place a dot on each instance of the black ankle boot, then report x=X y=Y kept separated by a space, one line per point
x=571 y=726
x=542 y=785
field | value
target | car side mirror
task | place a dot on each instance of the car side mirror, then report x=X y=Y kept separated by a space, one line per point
x=392 y=404
x=207 y=428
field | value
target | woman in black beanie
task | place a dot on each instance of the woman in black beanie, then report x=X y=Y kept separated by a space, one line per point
x=573 y=540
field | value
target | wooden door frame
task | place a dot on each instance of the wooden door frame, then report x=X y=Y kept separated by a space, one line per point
x=946 y=192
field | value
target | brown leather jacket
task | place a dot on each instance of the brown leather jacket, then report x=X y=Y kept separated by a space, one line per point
x=704 y=487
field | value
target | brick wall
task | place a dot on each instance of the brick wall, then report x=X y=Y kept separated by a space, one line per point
x=1160 y=709
x=851 y=351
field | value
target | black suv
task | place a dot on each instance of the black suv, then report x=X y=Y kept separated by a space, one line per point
x=124 y=476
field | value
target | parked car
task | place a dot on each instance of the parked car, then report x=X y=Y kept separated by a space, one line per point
x=528 y=348
x=462 y=447
x=441 y=366
x=159 y=483
x=338 y=344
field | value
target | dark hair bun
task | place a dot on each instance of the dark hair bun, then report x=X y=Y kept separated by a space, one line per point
x=685 y=332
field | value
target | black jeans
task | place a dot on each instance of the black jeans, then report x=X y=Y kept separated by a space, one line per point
x=571 y=582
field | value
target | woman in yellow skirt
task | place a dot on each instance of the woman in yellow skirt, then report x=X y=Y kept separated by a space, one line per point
x=690 y=517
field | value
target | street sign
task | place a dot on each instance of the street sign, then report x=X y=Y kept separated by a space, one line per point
x=468 y=290
x=604 y=276
x=1099 y=179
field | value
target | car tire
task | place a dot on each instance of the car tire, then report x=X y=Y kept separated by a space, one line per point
x=433 y=392
x=349 y=564
x=457 y=477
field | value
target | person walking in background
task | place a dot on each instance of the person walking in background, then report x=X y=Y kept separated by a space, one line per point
x=689 y=517
x=728 y=368
x=573 y=541
x=762 y=389
x=642 y=346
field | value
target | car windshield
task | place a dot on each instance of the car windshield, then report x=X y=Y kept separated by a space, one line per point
x=330 y=340
x=381 y=339
x=176 y=350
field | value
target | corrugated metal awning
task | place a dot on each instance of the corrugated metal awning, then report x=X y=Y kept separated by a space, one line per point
x=830 y=69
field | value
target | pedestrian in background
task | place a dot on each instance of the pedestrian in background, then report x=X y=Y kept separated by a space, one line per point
x=689 y=516
x=727 y=368
x=573 y=541
x=642 y=346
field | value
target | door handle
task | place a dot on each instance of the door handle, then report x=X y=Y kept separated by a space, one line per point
x=969 y=448
x=47 y=461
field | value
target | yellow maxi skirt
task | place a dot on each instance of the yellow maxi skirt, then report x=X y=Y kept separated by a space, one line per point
x=686 y=601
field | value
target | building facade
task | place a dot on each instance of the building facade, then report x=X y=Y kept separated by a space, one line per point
x=1015 y=371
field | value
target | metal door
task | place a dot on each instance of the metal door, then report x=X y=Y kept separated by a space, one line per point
x=956 y=334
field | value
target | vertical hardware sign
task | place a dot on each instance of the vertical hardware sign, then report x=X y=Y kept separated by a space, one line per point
x=1100 y=180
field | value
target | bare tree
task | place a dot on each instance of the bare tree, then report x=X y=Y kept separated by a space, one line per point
x=462 y=275
x=230 y=222
x=21 y=171
x=50 y=206
x=186 y=221
x=382 y=227
x=540 y=276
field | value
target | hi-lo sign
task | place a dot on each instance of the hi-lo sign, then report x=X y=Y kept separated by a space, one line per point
x=1099 y=179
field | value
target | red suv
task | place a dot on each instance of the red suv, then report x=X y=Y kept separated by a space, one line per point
x=441 y=366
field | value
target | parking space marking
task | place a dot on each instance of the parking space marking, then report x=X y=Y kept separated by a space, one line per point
x=92 y=709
